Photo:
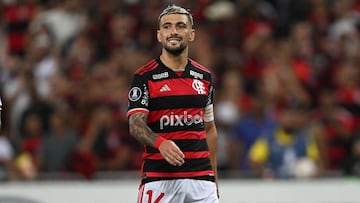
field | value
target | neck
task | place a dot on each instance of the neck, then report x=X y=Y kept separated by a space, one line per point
x=175 y=63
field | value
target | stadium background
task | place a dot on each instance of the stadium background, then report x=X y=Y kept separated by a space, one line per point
x=65 y=68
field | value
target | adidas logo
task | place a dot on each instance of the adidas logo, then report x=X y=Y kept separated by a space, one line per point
x=165 y=88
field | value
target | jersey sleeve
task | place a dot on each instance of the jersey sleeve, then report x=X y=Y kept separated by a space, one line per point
x=138 y=96
x=211 y=94
x=209 y=111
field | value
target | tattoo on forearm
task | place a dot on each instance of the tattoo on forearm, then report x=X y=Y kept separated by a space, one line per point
x=139 y=129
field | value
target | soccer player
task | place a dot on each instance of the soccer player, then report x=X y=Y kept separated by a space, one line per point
x=171 y=113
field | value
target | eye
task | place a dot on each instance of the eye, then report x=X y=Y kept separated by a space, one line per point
x=181 y=25
x=166 y=26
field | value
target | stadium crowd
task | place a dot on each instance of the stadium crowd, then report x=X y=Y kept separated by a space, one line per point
x=287 y=75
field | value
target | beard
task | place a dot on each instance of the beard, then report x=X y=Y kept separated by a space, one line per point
x=175 y=51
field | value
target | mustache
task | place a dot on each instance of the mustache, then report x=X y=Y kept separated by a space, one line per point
x=175 y=36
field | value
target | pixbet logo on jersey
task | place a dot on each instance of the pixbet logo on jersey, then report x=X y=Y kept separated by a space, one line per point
x=175 y=120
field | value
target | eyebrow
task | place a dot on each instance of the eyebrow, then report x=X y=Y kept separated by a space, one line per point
x=177 y=23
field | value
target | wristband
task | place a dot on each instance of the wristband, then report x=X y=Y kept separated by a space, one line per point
x=158 y=142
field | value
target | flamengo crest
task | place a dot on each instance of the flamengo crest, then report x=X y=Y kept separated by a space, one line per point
x=198 y=86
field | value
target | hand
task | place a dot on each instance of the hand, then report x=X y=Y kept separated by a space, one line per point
x=171 y=153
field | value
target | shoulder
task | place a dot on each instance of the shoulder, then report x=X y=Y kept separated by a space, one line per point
x=199 y=66
x=149 y=66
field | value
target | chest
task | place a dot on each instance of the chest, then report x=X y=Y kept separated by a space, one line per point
x=178 y=87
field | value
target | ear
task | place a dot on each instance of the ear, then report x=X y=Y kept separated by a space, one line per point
x=158 y=36
x=192 y=35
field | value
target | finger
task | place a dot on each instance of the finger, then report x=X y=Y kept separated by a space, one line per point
x=169 y=161
x=174 y=160
x=179 y=160
x=178 y=155
x=178 y=152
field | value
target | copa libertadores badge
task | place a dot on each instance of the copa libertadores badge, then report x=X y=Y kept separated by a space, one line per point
x=134 y=94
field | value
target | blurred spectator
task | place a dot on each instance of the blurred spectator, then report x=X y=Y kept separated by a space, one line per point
x=80 y=56
x=58 y=144
x=277 y=153
x=7 y=154
x=301 y=36
x=43 y=62
x=319 y=15
x=105 y=145
x=256 y=120
x=227 y=112
x=289 y=12
x=32 y=135
x=19 y=92
x=17 y=16
x=286 y=77
x=6 y=151
x=64 y=21
x=352 y=166
x=342 y=32
x=338 y=124
x=347 y=89
x=257 y=50
x=121 y=27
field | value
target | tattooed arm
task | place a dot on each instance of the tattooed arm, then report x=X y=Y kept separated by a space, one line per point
x=140 y=130
x=168 y=149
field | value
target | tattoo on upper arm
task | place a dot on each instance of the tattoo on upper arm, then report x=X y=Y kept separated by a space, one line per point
x=140 y=130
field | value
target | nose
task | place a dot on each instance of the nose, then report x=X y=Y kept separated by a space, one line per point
x=173 y=30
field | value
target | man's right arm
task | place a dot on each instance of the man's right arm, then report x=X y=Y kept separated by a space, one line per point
x=139 y=129
x=167 y=148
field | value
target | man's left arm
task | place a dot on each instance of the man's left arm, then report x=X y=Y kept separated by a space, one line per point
x=211 y=138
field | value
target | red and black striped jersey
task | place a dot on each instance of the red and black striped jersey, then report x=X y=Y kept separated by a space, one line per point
x=175 y=105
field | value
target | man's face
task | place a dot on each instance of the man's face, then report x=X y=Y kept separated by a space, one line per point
x=175 y=33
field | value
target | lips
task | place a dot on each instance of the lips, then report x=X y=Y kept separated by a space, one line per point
x=174 y=39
